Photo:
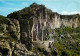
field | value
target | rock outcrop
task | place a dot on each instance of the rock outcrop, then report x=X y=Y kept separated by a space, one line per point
x=41 y=17
x=37 y=26
x=5 y=49
x=10 y=39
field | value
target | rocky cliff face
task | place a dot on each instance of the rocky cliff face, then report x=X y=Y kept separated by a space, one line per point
x=37 y=23
x=10 y=38
x=43 y=17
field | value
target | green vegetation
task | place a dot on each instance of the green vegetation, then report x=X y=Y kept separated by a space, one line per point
x=69 y=17
x=1 y=29
x=6 y=35
x=67 y=40
x=67 y=45
x=67 y=30
x=3 y=20
x=7 y=38
x=41 y=51
x=59 y=31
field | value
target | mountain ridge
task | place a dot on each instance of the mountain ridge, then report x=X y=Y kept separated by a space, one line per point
x=38 y=11
x=36 y=30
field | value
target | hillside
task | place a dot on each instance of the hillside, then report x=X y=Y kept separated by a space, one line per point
x=37 y=31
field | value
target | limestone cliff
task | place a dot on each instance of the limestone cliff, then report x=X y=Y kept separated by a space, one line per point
x=10 y=38
x=52 y=31
x=34 y=15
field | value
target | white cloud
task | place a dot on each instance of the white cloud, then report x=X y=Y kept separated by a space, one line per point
x=24 y=3
x=54 y=10
x=68 y=13
x=78 y=1
x=13 y=8
x=8 y=3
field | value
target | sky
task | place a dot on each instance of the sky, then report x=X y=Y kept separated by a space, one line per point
x=61 y=6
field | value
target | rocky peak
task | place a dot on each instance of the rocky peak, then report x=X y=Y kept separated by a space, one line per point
x=33 y=5
x=43 y=16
